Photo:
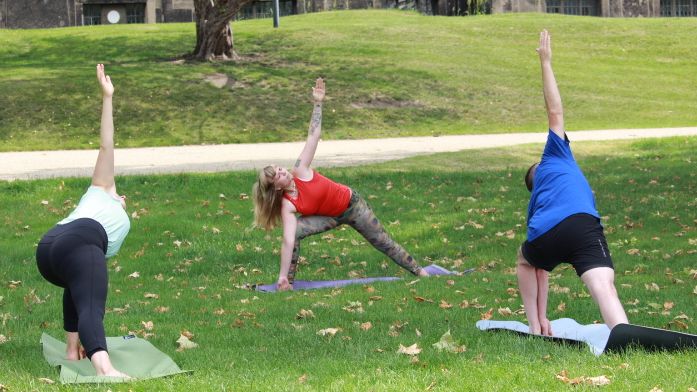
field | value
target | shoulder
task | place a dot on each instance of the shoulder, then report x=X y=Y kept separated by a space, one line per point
x=304 y=175
x=287 y=206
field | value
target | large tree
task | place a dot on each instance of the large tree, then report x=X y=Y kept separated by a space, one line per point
x=213 y=31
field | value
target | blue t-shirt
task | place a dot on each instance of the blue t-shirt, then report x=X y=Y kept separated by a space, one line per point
x=559 y=188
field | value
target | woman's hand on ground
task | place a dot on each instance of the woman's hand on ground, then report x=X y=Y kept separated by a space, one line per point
x=283 y=284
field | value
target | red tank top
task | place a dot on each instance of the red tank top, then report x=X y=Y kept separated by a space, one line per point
x=320 y=196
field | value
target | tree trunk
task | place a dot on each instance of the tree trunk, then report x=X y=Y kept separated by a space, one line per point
x=213 y=31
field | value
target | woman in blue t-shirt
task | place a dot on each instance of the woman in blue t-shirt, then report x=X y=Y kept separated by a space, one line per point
x=73 y=254
x=563 y=223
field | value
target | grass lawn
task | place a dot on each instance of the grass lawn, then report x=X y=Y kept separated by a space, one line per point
x=389 y=73
x=192 y=245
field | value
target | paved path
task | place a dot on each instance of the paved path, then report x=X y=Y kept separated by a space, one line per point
x=215 y=158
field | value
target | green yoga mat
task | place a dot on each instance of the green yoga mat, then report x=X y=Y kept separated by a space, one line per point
x=129 y=354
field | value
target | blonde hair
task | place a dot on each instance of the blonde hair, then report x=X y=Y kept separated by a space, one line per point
x=267 y=200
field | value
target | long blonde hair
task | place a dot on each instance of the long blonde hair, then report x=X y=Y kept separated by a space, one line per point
x=267 y=200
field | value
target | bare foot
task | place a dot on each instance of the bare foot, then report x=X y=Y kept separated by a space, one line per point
x=102 y=364
x=116 y=373
x=422 y=272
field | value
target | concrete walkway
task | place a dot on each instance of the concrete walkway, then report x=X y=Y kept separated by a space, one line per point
x=215 y=158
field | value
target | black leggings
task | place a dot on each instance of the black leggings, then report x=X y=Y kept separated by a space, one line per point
x=72 y=256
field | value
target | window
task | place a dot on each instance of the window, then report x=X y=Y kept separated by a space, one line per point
x=92 y=14
x=575 y=7
x=264 y=9
x=678 y=7
x=135 y=13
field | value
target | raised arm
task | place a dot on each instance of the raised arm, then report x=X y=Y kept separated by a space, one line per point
x=555 y=112
x=103 y=175
x=302 y=165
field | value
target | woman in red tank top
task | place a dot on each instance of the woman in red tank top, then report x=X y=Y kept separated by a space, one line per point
x=322 y=204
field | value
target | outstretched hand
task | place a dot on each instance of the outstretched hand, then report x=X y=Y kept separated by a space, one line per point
x=318 y=90
x=104 y=82
x=545 y=48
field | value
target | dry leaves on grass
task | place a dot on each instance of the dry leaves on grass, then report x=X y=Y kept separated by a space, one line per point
x=185 y=343
x=46 y=380
x=305 y=314
x=563 y=376
x=366 y=326
x=354 y=307
x=447 y=343
x=505 y=312
x=134 y=275
x=148 y=325
x=328 y=331
x=3 y=339
x=411 y=350
x=487 y=315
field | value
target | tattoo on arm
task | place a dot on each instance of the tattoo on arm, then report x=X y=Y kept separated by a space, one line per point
x=297 y=163
x=316 y=120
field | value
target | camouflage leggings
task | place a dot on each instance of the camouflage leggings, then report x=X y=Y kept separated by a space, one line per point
x=359 y=216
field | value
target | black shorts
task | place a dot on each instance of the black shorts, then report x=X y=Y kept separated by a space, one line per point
x=578 y=240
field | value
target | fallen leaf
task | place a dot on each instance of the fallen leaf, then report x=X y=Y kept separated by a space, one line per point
x=561 y=307
x=633 y=252
x=148 y=325
x=185 y=344
x=3 y=339
x=652 y=287
x=487 y=315
x=302 y=379
x=447 y=343
x=505 y=312
x=134 y=275
x=354 y=307
x=328 y=331
x=411 y=350
x=162 y=309
x=595 y=381
x=151 y=295
x=46 y=381
x=364 y=326
x=656 y=389
x=444 y=304
x=305 y=314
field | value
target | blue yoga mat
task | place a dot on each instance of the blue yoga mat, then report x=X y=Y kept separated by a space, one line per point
x=600 y=339
x=322 y=284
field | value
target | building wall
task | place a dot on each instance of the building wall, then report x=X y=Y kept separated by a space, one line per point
x=608 y=8
x=24 y=14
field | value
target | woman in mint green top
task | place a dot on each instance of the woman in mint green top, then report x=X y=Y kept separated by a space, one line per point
x=73 y=254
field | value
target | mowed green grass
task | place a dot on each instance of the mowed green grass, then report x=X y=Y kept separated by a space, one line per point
x=389 y=73
x=193 y=246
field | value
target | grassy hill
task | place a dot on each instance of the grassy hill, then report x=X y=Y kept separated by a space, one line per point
x=389 y=73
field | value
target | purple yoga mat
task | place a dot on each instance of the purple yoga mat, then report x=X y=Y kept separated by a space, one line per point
x=322 y=284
